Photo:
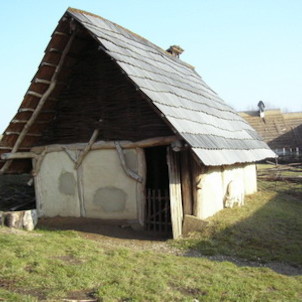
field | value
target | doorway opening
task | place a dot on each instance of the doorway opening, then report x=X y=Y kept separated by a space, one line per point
x=157 y=211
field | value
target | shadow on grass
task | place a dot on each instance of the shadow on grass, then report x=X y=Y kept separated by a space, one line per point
x=267 y=232
x=98 y=228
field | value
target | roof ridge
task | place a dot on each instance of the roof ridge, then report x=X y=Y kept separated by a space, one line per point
x=76 y=10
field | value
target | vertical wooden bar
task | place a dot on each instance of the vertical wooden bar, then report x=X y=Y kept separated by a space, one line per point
x=166 y=200
x=141 y=187
x=175 y=193
x=154 y=210
x=197 y=177
x=160 y=210
x=186 y=183
x=149 y=210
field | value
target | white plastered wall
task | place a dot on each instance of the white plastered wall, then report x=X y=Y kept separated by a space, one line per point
x=56 y=187
x=108 y=192
x=212 y=186
x=99 y=188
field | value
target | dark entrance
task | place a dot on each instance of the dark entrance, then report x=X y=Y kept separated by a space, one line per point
x=157 y=214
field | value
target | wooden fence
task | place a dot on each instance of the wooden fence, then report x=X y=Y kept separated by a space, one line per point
x=158 y=218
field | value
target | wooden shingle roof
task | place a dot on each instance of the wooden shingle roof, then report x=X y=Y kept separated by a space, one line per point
x=213 y=130
x=216 y=133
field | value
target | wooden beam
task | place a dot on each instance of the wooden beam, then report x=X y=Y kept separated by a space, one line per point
x=14 y=121
x=33 y=93
x=151 y=142
x=87 y=147
x=18 y=155
x=19 y=133
x=52 y=49
x=41 y=81
x=26 y=110
x=41 y=102
x=59 y=33
x=127 y=170
x=49 y=64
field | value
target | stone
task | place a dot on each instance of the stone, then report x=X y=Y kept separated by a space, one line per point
x=193 y=224
x=20 y=219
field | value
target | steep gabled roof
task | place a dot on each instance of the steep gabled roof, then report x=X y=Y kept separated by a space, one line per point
x=214 y=131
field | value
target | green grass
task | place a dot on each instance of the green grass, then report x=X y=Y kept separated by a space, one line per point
x=56 y=265
x=46 y=265
x=267 y=228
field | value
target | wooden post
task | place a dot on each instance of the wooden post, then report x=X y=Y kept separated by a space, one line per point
x=175 y=193
x=87 y=148
x=141 y=187
x=186 y=183
x=197 y=175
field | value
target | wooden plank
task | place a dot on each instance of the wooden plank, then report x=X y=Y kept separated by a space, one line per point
x=175 y=193
x=186 y=183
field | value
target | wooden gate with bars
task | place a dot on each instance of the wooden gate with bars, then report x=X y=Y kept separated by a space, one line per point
x=158 y=217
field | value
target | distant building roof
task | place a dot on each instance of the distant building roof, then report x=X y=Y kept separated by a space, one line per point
x=279 y=130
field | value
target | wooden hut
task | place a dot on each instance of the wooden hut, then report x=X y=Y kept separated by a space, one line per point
x=113 y=127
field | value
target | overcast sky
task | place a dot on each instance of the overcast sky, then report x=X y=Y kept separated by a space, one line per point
x=245 y=50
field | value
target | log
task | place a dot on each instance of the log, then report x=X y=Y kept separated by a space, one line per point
x=49 y=64
x=152 y=142
x=18 y=155
x=127 y=170
x=87 y=148
x=33 y=93
x=19 y=133
x=41 y=81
